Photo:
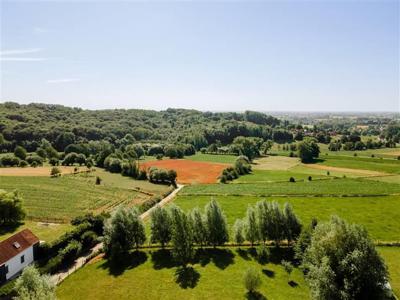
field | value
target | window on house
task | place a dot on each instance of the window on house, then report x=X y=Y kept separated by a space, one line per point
x=22 y=259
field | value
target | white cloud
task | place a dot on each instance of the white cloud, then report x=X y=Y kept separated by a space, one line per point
x=20 y=51
x=62 y=80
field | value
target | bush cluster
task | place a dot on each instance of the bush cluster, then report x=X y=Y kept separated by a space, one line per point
x=241 y=167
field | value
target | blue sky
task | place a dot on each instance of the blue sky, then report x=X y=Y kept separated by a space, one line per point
x=266 y=55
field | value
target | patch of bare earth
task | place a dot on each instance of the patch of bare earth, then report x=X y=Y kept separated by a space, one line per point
x=38 y=171
x=190 y=172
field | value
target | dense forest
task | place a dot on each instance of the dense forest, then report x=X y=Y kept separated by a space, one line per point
x=28 y=125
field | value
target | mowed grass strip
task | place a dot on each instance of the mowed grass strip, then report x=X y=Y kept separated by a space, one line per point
x=65 y=197
x=342 y=186
x=380 y=215
x=218 y=276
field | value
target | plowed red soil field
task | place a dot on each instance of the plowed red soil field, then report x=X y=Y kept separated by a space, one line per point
x=190 y=172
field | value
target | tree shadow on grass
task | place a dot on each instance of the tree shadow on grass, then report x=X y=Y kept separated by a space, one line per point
x=10 y=228
x=243 y=254
x=120 y=264
x=269 y=273
x=293 y=284
x=221 y=258
x=255 y=296
x=276 y=255
x=162 y=259
x=187 y=277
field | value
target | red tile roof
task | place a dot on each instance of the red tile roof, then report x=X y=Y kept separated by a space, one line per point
x=24 y=239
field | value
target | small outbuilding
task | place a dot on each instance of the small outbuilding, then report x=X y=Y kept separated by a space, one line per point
x=17 y=252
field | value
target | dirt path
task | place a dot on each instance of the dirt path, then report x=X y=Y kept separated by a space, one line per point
x=38 y=171
x=81 y=261
x=144 y=216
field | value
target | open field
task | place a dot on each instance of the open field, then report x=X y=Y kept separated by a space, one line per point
x=190 y=172
x=38 y=171
x=275 y=163
x=363 y=163
x=342 y=186
x=124 y=182
x=366 y=211
x=224 y=159
x=62 y=198
x=218 y=275
x=44 y=231
x=274 y=176
x=391 y=255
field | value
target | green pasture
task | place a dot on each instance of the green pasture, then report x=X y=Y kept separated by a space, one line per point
x=391 y=255
x=218 y=274
x=380 y=215
x=274 y=176
x=341 y=186
x=363 y=163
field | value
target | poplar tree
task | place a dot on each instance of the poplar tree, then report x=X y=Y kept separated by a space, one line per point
x=160 y=226
x=217 y=227
x=251 y=227
x=199 y=225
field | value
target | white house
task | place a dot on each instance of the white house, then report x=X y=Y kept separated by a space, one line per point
x=17 y=252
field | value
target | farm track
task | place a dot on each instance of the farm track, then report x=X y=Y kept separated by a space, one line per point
x=81 y=261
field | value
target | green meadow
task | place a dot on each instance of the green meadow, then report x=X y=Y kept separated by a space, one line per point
x=366 y=211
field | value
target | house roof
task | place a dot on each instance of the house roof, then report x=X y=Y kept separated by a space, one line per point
x=16 y=244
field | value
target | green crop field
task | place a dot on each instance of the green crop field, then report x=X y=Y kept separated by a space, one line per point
x=345 y=186
x=217 y=275
x=273 y=176
x=380 y=215
x=59 y=199
x=226 y=159
x=373 y=164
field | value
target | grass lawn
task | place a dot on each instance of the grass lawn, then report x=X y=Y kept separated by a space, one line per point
x=60 y=199
x=45 y=232
x=226 y=159
x=316 y=187
x=367 y=211
x=391 y=256
x=152 y=275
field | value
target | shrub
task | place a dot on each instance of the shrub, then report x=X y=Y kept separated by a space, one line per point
x=34 y=160
x=89 y=239
x=309 y=178
x=252 y=279
x=9 y=160
x=98 y=180
x=55 y=172
x=291 y=179
x=262 y=253
x=23 y=164
x=54 y=161
x=20 y=152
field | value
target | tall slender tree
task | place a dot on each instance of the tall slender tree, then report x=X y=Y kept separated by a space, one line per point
x=217 y=227
x=182 y=237
x=161 y=226
x=200 y=233
x=251 y=226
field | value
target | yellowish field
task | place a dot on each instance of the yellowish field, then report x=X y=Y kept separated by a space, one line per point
x=345 y=170
x=275 y=163
x=38 y=171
